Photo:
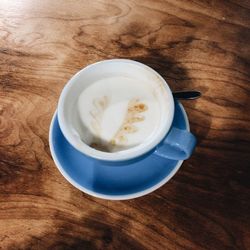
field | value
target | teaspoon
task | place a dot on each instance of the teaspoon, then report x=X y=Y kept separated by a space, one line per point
x=187 y=95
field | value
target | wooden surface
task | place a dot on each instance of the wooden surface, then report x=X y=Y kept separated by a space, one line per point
x=195 y=44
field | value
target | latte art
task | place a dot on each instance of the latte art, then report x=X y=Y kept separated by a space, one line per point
x=117 y=113
x=128 y=126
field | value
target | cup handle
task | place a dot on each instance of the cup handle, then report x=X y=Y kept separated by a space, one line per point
x=177 y=145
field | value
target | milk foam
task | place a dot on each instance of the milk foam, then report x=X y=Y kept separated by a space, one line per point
x=117 y=113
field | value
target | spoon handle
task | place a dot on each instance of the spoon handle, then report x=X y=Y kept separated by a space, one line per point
x=187 y=95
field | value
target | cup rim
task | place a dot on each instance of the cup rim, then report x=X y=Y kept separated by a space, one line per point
x=120 y=155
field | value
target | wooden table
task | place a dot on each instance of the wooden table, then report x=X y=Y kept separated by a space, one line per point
x=195 y=44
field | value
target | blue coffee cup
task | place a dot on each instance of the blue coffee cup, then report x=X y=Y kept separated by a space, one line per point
x=169 y=142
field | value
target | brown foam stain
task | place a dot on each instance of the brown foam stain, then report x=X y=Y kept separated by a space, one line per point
x=97 y=112
x=159 y=82
x=99 y=107
x=134 y=110
x=159 y=86
x=100 y=146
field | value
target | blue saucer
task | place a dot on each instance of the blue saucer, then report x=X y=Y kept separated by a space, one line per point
x=111 y=182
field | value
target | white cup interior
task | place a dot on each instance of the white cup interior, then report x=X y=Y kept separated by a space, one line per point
x=67 y=107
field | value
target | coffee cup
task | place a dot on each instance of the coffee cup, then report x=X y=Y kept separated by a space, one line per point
x=120 y=110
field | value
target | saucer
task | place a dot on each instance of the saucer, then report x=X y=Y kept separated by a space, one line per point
x=113 y=182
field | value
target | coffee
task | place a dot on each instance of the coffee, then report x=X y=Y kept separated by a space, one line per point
x=120 y=112
x=116 y=105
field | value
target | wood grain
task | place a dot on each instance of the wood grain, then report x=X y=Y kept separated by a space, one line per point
x=194 y=44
